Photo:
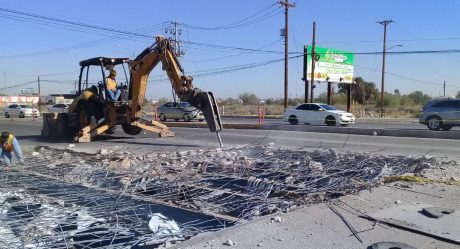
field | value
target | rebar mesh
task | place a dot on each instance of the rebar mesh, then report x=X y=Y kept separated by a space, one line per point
x=66 y=199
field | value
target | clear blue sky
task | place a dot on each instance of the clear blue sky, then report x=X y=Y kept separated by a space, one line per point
x=30 y=48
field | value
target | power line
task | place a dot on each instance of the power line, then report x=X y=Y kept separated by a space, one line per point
x=19 y=85
x=241 y=23
x=407 y=78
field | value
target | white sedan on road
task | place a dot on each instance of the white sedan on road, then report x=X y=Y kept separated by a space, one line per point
x=21 y=111
x=317 y=113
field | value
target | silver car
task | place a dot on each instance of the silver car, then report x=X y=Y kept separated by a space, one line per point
x=441 y=114
x=177 y=111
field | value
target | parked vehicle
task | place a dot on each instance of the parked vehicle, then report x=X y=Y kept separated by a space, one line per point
x=60 y=108
x=317 y=113
x=21 y=111
x=177 y=111
x=441 y=114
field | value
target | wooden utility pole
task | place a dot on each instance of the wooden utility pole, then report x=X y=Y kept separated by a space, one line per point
x=286 y=5
x=313 y=60
x=444 y=88
x=385 y=24
x=305 y=70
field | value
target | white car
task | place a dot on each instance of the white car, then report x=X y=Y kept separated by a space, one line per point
x=317 y=113
x=60 y=108
x=21 y=111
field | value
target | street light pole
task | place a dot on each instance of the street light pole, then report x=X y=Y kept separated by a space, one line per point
x=384 y=23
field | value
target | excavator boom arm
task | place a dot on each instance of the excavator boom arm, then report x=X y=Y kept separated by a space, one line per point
x=163 y=52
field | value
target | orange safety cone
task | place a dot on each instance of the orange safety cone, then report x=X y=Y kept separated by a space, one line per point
x=259 y=115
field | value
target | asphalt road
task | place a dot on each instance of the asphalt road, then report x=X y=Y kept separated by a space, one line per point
x=28 y=133
x=401 y=124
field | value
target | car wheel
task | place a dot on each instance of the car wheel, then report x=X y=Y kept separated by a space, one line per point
x=7 y=115
x=434 y=123
x=330 y=121
x=162 y=117
x=176 y=119
x=446 y=127
x=21 y=115
x=293 y=120
x=201 y=120
x=187 y=118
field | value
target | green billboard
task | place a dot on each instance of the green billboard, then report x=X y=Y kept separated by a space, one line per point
x=331 y=65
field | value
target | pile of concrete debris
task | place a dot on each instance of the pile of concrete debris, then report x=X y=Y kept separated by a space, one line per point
x=128 y=199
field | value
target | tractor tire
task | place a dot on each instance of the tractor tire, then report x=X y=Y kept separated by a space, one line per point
x=131 y=129
x=83 y=118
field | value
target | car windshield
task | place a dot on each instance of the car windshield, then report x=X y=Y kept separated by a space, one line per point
x=25 y=106
x=328 y=107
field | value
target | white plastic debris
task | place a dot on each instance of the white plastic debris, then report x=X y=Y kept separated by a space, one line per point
x=70 y=146
x=35 y=154
x=161 y=225
x=398 y=201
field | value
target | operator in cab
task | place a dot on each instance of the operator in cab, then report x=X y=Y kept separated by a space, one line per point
x=112 y=86
x=8 y=144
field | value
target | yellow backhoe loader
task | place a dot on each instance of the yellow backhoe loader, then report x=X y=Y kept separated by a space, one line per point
x=93 y=112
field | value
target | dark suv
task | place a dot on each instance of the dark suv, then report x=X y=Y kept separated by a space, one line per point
x=441 y=114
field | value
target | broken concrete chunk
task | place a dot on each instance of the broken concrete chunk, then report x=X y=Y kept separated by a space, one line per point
x=398 y=201
x=35 y=154
x=70 y=146
x=437 y=212
x=104 y=152
x=229 y=242
x=277 y=219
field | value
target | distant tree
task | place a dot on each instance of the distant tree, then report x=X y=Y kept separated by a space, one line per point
x=362 y=91
x=396 y=91
x=249 y=99
x=418 y=97
x=458 y=94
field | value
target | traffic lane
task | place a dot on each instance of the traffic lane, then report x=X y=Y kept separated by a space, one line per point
x=365 y=124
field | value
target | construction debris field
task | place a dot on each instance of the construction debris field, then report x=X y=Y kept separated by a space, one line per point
x=116 y=199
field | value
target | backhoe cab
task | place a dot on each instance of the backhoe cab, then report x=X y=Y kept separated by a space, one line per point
x=94 y=112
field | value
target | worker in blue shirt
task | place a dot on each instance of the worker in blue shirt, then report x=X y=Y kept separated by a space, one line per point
x=8 y=144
